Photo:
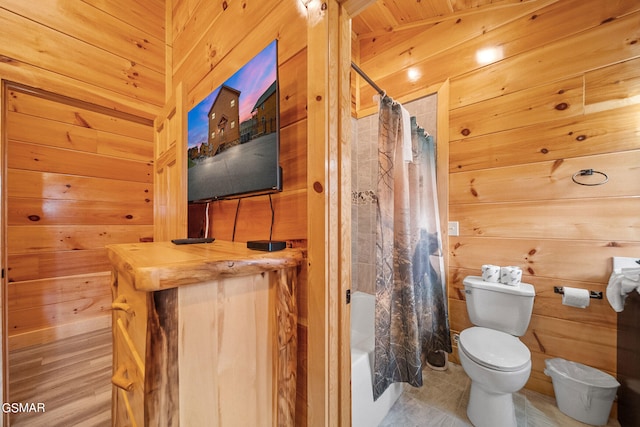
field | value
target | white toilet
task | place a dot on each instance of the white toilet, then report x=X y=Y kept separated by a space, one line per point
x=497 y=362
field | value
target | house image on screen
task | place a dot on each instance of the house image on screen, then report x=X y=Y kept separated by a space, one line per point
x=265 y=112
x=224 y=129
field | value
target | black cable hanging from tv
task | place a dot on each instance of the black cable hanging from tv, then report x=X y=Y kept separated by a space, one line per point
x=273 y=217
x=368 y=79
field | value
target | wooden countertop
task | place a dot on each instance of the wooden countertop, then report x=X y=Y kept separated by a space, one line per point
x=163 y=265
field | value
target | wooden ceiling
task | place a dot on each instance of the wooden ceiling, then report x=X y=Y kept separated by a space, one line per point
x=376 y=17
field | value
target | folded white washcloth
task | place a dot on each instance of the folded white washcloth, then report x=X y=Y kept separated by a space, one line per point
x=614 y=292
x=627 y=286
x=631 y=274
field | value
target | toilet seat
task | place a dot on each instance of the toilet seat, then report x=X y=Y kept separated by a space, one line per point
x=494 y=349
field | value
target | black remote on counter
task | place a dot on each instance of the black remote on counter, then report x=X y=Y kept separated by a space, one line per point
x=192 y=240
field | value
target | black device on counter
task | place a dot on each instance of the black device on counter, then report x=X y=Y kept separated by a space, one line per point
x=266 y=245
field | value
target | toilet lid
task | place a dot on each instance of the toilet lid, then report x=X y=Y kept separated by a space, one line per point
x=494 y=349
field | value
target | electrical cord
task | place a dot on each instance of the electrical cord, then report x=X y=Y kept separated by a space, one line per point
x=235 y=221
x=272 y=218
x=206 y=219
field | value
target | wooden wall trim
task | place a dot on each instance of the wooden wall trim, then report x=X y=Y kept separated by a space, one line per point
x=354 y=7
x=45 y=94
x=4 y=322
x=344 y=232
x=329 y=39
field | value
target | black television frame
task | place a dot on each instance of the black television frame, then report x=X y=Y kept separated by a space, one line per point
x=228 y=175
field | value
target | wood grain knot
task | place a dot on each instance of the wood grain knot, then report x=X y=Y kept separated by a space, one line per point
x=34 y=217
x=465 y=132
x=562 y=106
x=317 y=187
x=581 y=137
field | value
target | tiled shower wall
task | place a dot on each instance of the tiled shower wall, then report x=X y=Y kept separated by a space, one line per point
x=364 y=170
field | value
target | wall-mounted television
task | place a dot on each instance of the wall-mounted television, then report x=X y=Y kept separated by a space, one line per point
x=234 y=134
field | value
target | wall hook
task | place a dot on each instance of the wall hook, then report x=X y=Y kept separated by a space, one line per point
x=589 y=172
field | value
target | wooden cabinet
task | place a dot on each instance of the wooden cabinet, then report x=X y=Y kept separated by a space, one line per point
x=203 y=335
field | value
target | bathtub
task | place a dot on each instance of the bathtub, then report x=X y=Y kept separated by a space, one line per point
x=364 y=411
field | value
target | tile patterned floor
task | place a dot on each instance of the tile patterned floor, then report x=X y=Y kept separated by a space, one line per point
x=442 y=402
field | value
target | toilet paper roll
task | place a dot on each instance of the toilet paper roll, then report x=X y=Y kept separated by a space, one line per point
x=510 y=275
x=491 y=273
x=574 y=297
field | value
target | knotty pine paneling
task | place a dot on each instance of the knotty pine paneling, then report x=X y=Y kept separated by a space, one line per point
x=19 y=102
x=36 y=157
x=110 y=54
x=293 y=92
x=207 y=65
x=609 y=131
x=618 y=82
x=63 y=135
x=563 y=96
x=57 y=186
x=66 y=304
x=568 y=56
x=39 y=265
x=72 y=188
x=56 y=47
x=583 y=260
x=147 y=15
x=378 y=52
x=49 y=238
x=90 y=64
x=548 y=180
x=79 y=20
x=569 y=219
x=523 y=28
x=527 y=107
x=254 y=217
x=23 y=211
x=58 y=290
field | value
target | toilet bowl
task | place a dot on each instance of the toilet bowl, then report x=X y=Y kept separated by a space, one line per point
x=498 y=365
x=491 y=354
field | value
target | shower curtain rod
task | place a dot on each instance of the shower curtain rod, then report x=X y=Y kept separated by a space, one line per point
x=371 y=82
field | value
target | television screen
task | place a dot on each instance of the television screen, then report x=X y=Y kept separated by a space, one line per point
x=233 y=134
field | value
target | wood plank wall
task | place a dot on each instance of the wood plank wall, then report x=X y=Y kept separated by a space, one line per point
x=210 y=41
x=81 y=168
x=563 y=95
x=77 y=180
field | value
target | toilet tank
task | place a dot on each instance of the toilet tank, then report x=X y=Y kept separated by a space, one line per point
x=498 y=306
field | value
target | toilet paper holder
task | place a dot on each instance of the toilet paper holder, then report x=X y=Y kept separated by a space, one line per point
x=592 y=294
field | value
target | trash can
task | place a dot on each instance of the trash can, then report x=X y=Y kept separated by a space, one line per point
x=582 y=392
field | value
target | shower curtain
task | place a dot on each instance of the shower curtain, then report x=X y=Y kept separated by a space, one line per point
x=411 y=305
